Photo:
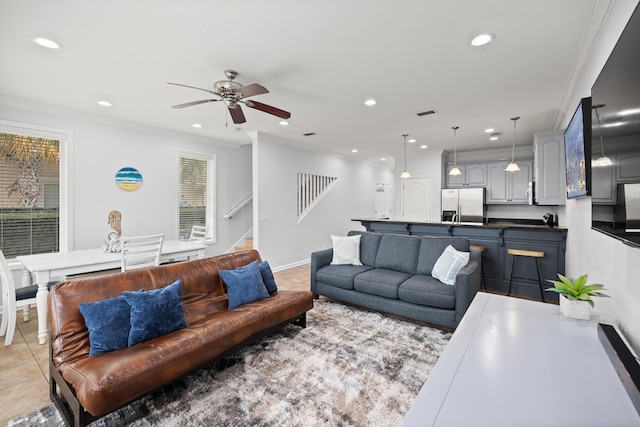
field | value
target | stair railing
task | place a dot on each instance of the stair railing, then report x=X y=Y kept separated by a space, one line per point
x=242 y=204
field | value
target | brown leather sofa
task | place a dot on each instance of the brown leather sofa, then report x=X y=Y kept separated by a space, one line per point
x=85 y=388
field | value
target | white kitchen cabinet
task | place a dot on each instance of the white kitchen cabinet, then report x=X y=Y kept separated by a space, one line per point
x=471 y=176
x=508 y=187
x=549 y=168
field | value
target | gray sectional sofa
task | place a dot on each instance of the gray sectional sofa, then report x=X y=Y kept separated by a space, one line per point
x=395 y=277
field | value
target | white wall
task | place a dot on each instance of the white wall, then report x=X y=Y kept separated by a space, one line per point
x=100 y=150
x=605 y=259
x=278 y=236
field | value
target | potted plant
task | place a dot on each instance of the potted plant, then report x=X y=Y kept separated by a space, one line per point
x=575 y=295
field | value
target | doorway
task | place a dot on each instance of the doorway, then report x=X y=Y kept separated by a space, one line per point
x=416 y=199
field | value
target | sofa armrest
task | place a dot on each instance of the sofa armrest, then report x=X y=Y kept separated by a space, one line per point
x=467 y=284
x=319 y=259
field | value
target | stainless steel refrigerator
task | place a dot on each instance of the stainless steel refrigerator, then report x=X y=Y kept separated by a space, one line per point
x=463 y=205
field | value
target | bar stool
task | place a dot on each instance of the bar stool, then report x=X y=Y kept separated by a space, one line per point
x=480 y=249
x=536 y=255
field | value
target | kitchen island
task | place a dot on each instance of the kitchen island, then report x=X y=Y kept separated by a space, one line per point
x=496 y=238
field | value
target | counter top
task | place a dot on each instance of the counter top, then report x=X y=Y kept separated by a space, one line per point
x=493 y=225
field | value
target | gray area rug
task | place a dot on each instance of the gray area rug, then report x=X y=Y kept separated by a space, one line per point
x=349 y=367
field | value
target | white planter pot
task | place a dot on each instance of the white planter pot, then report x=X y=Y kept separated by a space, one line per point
x=574 y=308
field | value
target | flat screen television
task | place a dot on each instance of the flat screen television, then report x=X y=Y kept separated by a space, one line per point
x=616 y=135
x=577 y=148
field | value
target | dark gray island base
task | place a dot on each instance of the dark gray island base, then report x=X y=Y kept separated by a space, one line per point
x=496 y=238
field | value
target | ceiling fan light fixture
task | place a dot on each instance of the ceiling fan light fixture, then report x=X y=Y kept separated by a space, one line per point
x=284 y=123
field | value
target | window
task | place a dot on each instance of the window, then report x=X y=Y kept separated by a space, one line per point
x=33 y=205
x=196 y=194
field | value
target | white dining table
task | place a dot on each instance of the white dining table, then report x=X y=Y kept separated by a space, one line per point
x=45 y=267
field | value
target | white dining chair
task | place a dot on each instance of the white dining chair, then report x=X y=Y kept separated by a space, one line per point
x=12 y=300
x=198 y=233
x=141 y=251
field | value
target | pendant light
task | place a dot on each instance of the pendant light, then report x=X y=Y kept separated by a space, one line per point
x=454 y=170
x=513 y=166
x=603 y=160
x=405 y=172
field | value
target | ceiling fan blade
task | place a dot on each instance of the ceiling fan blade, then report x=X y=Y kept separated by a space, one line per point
x=268 y=109
x=237 y=115
x=252 y=90
x=192 y=87
x=189 y=104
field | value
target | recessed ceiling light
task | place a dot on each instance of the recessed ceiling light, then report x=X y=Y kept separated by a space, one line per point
x=411 y=141
x=482 y=39
x=383 y=158
x=197 y=125
x=489 y=130
x=493 y=138
x=354 y=151
x=370 y=102
x=44 y=42
x=423 y=146
x=284 y=123
x=105 y=103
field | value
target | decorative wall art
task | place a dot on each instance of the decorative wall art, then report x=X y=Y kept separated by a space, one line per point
x=128 y=179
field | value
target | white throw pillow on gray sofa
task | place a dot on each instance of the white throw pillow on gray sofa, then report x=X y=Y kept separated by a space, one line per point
x=449 y=264
x=346 y=250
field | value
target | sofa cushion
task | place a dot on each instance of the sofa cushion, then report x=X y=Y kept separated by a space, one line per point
x=380 y=281
x=267 y=277
x=156 y=312
x=244 y=284
x=340 y=276
x=109 y=322
x=432 y=247
x=425 y=290
x=449 y=264
x=369 y=243
x=346 y=250
x=399 y=253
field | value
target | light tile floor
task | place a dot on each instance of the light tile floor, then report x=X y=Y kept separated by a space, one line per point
x=24 y=371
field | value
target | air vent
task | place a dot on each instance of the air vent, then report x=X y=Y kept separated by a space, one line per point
x=309 y=134
x=426 y=113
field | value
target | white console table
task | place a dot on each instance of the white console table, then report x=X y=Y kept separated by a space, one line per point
x=513 y=362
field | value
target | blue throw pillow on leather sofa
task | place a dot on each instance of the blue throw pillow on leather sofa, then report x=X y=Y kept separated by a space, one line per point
x=109 y=322
x=244 y=284
x=155 y=312
x=267 y=277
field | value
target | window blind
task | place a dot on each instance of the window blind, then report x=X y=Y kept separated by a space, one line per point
x=29 y=195
x=192 y=194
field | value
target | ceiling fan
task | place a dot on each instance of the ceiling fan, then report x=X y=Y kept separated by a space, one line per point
x=233 y=94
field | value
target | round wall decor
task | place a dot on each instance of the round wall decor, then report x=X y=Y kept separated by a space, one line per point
x=128 y=179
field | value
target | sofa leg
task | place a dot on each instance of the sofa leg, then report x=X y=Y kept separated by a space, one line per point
x=65 y=400
x=301 y=321
x=316 y=296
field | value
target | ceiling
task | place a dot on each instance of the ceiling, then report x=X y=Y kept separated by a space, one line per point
x=320 y=60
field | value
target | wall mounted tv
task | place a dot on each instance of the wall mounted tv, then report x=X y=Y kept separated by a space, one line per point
x=616 y=136
x=577 y=148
